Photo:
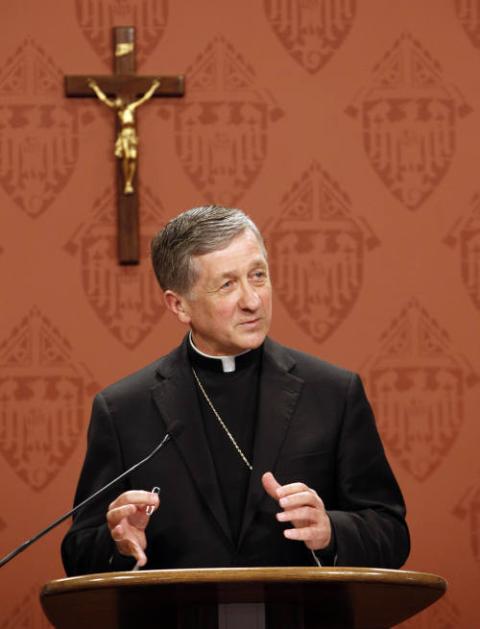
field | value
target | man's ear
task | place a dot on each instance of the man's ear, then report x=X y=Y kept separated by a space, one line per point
x=177 y=304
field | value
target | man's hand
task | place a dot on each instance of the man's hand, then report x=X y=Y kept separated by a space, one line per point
x=302 y=507
x=127 y=520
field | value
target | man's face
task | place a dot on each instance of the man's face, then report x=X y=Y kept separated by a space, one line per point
x=229 y=307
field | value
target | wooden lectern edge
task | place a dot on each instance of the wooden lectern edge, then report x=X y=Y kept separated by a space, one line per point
x=245 y=575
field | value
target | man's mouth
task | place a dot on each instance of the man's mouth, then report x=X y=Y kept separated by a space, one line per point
x=250 y=322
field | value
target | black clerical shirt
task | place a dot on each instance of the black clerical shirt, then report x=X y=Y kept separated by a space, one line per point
x=234 y=395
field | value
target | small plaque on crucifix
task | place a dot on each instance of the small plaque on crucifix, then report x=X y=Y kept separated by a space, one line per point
x=123 y=92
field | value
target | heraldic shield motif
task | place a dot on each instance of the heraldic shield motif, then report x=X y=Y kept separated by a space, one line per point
x=311 y=30
x=42 y=400
x=317 y=249
x=38 y=136
x=468 y=13
x=96 y=19
x=126 y=299
x=417 y=386
x=466 y=236
x=221 y=134
x=468 y=510
x=409 y=119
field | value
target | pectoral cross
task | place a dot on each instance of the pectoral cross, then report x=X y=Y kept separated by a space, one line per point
x=124 y=91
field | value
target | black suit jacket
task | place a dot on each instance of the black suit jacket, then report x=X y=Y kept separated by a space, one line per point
x=314 y=425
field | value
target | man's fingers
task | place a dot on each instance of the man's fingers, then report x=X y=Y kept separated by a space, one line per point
x=305 y=534
x=116 y=515
x=134 y=516
x=303 y=508
x=314 y=537
x=117 y=533
x=128 y=545
x=304 y=514
x=137 y=552
x=135 y=497
x=271 y=485
x=301 y=499
x=132 y=548
x=136 y=505
x=291 y=488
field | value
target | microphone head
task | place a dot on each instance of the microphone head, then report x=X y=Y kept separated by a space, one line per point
x=176 y=428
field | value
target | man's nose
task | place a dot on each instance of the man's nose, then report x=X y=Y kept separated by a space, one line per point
x=249 y=298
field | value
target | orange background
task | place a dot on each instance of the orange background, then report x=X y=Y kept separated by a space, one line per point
x=349 y=131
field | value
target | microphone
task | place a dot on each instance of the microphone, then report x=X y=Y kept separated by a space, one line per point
x=176 y=429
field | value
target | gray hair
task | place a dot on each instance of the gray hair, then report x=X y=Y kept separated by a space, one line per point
x=192 y=233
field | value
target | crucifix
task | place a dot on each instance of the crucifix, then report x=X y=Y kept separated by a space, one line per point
x=123 y=92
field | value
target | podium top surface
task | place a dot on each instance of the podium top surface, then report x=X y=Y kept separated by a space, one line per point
x=246 y=575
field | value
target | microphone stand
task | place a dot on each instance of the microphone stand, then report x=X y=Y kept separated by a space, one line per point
x=58 y=521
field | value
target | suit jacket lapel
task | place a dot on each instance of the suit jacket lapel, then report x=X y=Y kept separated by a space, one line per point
x=176 y=399
x=279 y=391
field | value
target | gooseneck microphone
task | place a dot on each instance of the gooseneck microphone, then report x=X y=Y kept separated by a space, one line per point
x=176 y=429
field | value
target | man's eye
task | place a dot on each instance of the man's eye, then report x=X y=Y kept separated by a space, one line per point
x=260 y=275
x=226 y=285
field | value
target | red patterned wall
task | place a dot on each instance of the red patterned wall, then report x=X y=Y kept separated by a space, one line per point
x=349 y=130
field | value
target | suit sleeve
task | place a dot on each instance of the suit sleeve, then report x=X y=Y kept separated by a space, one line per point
x=369 y=518
x=88 y=546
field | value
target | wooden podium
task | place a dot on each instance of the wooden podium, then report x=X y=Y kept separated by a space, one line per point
x=243 y=598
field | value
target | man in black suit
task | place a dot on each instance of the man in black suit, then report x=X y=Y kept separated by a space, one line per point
x=278 y=462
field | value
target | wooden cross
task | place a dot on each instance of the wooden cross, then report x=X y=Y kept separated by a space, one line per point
x=124 y=91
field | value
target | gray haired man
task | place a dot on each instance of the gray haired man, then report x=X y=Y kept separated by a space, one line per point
x=279 y=461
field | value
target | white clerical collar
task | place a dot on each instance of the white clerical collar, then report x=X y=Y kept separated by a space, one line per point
x=228 y=362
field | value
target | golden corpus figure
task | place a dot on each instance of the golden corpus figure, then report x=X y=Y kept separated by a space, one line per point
x=126 y=144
